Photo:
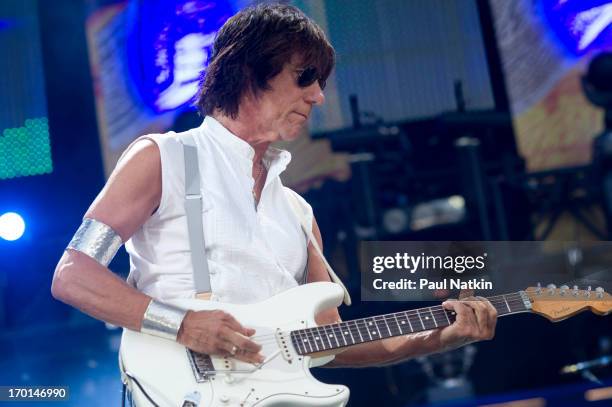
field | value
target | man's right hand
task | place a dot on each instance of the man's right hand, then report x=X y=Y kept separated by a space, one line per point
x=218 y=333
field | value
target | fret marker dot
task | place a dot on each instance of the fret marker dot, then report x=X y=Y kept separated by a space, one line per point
x=426 y=318
x=369 y=323
x=374 y=332
x=305 y=340
x=330 y=335
x=403 y=322
x=346 y=333
x=317 y=338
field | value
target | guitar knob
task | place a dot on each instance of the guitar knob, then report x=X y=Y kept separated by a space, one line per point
x=224 y=398
x=600 y=292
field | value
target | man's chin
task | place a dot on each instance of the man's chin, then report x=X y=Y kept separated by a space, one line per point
x=292 y=134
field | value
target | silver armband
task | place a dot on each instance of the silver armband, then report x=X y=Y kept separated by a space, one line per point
x=162 y=320
x=97 y=240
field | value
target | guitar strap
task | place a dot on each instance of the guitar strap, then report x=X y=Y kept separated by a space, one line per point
x=193 y=210
x=297 y=210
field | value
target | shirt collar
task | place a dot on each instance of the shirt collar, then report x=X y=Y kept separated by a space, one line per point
x=228 y=140
x=274 y=158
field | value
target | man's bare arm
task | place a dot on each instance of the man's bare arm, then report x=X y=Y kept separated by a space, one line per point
x=125 y=203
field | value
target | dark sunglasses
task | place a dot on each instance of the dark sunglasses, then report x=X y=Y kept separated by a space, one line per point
x=308 y=76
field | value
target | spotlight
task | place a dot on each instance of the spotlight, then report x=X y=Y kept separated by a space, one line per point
x=12 y=226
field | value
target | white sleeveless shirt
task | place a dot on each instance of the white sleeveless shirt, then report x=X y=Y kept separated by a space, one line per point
x=253 y=252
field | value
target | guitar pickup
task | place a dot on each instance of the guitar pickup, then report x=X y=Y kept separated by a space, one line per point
x=284 y=343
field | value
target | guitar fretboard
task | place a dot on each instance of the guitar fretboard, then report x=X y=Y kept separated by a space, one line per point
x=328 y=337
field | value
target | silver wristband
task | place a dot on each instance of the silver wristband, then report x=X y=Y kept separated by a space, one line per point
x=162 y=320
x=97 y=240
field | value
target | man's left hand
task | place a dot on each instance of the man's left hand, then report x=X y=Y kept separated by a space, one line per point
x=475 y=321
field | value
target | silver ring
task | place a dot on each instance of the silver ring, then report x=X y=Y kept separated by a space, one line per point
x=234 y=349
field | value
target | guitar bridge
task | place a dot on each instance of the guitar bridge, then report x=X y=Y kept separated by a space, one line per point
x=201 y=365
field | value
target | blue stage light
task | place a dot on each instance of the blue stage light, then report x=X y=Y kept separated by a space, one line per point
x=12 y=226
x=581 y=25
x=169 y=44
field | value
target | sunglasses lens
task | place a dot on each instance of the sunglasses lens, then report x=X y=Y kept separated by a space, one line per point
x=308 y=76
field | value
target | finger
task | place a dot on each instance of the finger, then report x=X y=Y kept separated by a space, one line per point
x=463 y=314
x=481 y=315
x=491 y=315
x=230 y=349
x=250 y=357
x=236 y=326
x=227 y=348
x=241 y=341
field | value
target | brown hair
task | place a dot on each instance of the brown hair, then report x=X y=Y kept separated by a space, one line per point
x=253 y=46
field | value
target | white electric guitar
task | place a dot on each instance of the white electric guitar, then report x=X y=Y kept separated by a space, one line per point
x=164 y=373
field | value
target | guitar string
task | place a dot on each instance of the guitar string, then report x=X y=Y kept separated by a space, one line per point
x=506 y=302
x=495 y=300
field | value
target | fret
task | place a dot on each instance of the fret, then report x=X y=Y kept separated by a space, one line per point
x=380 y=327
x=398 y=324
x=431 y=316
x=348 y=329
x=387 y=325
x=420 y=319
x=359 y=331
x=427 y=318
x=315 y=339
x=343 y=333
x=409 y=323
x=506 y=301
x=324 y=335
x=446 y=315
x=297 y=342
x=311 y=339
x=332 y=334
x=371 y=329
x=438 y=316
x=415 y=321
x=306 y=341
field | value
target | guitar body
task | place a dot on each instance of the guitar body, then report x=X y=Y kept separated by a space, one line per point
x=171 y=376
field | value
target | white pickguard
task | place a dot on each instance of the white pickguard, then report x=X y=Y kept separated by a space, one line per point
x=164 y=370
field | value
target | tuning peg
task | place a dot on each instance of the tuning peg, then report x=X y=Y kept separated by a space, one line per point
x=539 y=289
x=575 y=292
x=600 y=292
x=551 y=288
x=588 y=292
x=563 y=289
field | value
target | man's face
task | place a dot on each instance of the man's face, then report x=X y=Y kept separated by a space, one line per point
x=282 y=111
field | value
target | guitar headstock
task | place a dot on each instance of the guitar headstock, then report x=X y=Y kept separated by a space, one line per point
x=558 y=303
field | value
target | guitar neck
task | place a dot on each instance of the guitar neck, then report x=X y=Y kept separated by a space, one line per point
x=327 y=338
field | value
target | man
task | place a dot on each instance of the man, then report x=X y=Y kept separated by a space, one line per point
x=267 y=72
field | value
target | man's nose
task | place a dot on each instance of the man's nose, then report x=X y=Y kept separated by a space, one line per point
x=315 y=95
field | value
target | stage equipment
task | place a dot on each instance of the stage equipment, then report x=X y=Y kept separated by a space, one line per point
x=448 y=374
x=403 y=173
x=597 y=86
x=550 y=194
